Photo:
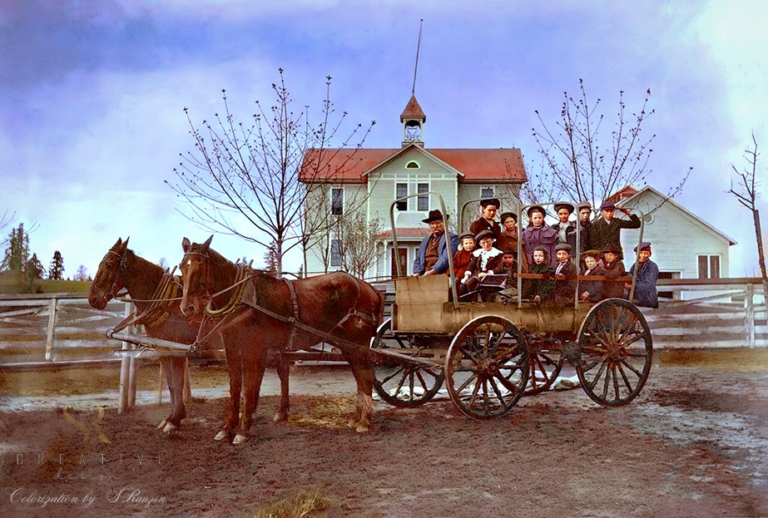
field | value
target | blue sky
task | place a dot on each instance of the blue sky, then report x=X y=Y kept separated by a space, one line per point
x=92 y=122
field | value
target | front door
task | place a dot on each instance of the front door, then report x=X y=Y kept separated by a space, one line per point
x=402 y=254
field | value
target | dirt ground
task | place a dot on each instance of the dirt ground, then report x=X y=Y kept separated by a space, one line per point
x=692 y=444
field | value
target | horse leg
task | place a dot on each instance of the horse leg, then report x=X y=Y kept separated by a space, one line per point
x=283 y=372
x=254 y=365
x=362 y=369
x=176 y=373
x=231 y=412
x=166 y=370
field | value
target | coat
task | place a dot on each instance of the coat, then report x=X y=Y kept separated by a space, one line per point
x=540 y=287
x=565 y=290
x=594 y=288
x=460 y=262
x=493 y=265
x=570 y=235
x=481 y=224
x=505 y=243
x=613 y=289
x=540 y=236
x=441 y=266
x=645 y=286
x=602 y=233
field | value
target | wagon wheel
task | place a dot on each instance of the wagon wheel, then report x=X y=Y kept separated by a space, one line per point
x=398 y=383
x=487 y=367
x=616 y=352
x=546 y=363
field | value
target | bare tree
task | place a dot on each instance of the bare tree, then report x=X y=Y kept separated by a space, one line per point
x=576 y=166
x=747 y=196
x=5 y=220
x=81 y=274
x=359 y=238
x=252 y=180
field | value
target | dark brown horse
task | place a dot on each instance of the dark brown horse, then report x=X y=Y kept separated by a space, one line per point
x=121 y=268
x=336 y=304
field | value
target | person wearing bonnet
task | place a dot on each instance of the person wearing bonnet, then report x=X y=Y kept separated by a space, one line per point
x=539 y=235
x=647 y=275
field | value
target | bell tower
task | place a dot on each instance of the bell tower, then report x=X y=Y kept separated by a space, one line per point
x=413 y=119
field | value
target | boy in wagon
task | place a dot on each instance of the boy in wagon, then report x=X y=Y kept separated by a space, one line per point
x=485 y=260
x=591 y=291
x=612 y=268
x=606 y=230
x=509 y=268
x=565 y=289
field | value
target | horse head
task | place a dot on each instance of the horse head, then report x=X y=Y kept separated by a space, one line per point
x=195 y=276
x=107 y=283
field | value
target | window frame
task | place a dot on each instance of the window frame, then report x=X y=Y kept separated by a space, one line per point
x=402 y=206
x=337 y=210
x=422 y=197
x=335 y=253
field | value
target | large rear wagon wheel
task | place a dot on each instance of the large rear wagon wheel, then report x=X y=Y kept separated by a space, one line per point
x=487 y=367
x=397 y=382
x=616 y=350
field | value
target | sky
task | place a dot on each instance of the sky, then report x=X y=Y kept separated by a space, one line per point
x=92 y=94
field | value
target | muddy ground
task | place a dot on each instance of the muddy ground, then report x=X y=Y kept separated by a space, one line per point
x=692 y=444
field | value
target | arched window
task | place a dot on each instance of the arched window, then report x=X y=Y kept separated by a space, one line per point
x=413 y=164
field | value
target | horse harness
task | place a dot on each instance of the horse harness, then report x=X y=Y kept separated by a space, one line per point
x=158 y=311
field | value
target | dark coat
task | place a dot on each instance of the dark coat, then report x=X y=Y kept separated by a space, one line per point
x=540 y=287
x=602 y=233
x=540 y=236
x=441 y=266
x=584 y=241
x=594 y=288
x=645 y=287
x=481 y=224
x=613 y=289
x=506 y=243
x=570 y=236
x=460 y=262
x=565 y=290
x=494 y=264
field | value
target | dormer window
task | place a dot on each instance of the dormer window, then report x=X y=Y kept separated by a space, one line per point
x=413 y=164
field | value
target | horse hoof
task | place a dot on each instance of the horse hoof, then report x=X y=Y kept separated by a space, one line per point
x=362 y=428
x=170 y=429
x=162 y=424
x=352 y=424
x=280 y=417
x=239 y=439
x=223 y=434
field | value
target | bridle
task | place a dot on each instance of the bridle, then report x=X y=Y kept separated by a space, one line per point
x=119 y=266
x=206 y=294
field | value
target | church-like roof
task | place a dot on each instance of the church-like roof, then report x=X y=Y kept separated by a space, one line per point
x=354 y=165
x=413 y=111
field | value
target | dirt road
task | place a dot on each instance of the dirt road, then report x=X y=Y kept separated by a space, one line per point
x=692 y=444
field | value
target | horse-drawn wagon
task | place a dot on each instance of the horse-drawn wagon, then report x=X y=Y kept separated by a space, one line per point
x=491 y=353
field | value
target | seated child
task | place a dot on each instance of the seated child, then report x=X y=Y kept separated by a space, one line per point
x=485 y=260
x=612 y=268
x=509 y=268
x=565 y=290
x=538 y=290
x=591 y=291
x=463 y=255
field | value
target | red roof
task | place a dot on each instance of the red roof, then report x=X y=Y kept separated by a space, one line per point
x=626 y=192
x=349 y=165
x=413 y=111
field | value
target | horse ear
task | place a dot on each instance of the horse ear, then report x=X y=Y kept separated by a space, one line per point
x=118 y=242
x=185 y=244
x=125 y=243
x=208 y=242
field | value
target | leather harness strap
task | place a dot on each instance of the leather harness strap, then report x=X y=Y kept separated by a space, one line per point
x=295 y=303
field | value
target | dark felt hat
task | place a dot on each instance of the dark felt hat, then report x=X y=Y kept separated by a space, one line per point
x=535 y=208
x=564 y=205
x=434 y=215
x=485 y=233
x=466 y=235
x=607 y=205
x=510 y=252
x=609 y=248
x=563 y=246
x=644 y=244
x=490 y=201
x=508 y=215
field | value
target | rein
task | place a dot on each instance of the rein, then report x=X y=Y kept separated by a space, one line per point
x=158 y=312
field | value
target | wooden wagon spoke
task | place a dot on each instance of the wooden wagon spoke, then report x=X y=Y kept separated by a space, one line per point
x=466 y=383
x=421 y=378
x=632 y=368
x=624 y=377
x=511 y=387
x=388 y=378
x=597 y=376
x=615 y=382
x=473 y=397
x=496 y=390
x=606 y=382
x=636 y=338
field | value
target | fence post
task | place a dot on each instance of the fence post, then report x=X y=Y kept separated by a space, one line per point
x=51 y=333
x=125 y=371
x=749 y=301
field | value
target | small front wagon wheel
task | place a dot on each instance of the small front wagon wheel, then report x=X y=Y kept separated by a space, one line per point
x=616 y=352
x=400 y=383
x=487 y=367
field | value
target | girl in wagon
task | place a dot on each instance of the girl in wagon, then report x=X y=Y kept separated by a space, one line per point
x=485 y=260
x=538 y=290
x=539 y=235
x=508 y=239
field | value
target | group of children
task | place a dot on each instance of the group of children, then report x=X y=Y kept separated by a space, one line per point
x=550 y=252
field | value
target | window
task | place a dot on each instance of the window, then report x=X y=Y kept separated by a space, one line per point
x=413 y=164
x=401 y=190
x=668 y=294
x=337 y=201
x=709 y=266
x=335 y=252
x=487 y=192
x=423 y=198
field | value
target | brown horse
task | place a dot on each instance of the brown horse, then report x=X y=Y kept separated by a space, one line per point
x=337 y=304
x=121 y=268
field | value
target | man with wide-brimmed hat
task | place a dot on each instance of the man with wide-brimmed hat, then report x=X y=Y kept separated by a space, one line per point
x=488 y=219
x=606 y=230
x=432 y=257
x=647 y=275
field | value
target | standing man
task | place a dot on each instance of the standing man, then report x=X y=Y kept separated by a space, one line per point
x=585 y=222
x=433 y=252
x=488 y=220
x=647 y=275
x=607 y=230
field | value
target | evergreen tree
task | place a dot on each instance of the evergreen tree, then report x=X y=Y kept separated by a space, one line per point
x=17 y=253
x=34 y=268
x=56 y=269
x=271 y=258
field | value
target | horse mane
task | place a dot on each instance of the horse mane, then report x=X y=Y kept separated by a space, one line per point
x=141 y=276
